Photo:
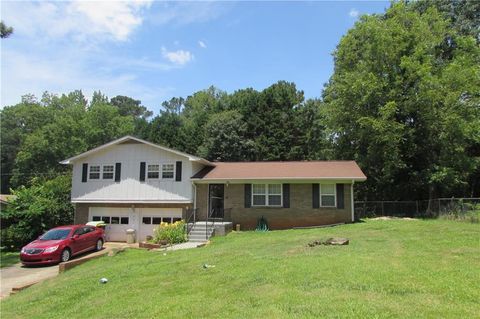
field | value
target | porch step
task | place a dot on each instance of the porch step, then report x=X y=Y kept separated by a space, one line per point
x=200 y=232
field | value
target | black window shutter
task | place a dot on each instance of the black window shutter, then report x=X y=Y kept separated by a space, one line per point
x=340 y=196
x=142 y=171
x=84 y=172
x=118 y=172
x=286 y=195
x=315 y=196
x=248 y=195
x=178 y=171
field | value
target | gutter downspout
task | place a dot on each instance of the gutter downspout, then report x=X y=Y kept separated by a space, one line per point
x=351 y=199
x=194 y=201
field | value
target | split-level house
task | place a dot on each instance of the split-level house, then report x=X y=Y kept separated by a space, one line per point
x=130 y=183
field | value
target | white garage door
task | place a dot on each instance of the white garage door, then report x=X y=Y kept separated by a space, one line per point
x=118 y=220
x=152 y=217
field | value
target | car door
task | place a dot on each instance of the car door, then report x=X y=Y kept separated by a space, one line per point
x=78 y=243
x=90 y=237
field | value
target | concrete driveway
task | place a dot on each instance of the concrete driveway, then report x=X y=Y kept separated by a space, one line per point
x=18 y=276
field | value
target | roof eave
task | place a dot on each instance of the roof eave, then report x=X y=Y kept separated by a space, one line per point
x=250 y=179
x=127 y=137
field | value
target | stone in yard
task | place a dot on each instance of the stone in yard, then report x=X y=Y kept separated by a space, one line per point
x=337 y=241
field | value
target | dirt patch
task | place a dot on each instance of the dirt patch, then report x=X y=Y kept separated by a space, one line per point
x=330 y=241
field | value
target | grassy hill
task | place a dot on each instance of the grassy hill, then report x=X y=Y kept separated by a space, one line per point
x=391 y=269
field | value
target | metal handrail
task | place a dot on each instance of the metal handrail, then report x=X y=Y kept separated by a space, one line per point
x=209 y=216
x=190 y=220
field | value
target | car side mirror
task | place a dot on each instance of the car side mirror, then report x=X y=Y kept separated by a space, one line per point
x=75 y=237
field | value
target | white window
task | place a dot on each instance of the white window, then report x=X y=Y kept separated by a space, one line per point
x=328 y=195
x=167 y=171
x=267 y=195
x=94 y=172
x=153 y=171
x=259 y=192
x=107 y=172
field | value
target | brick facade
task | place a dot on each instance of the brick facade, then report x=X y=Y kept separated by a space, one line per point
x=300 y=214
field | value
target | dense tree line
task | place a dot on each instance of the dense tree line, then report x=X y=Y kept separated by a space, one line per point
x=403 y=101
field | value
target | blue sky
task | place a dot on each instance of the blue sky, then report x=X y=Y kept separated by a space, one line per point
x=153 y=51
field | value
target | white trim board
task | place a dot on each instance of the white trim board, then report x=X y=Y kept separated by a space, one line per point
x=128 y=137
x=107 y=201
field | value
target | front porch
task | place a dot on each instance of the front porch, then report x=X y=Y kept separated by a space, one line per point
x=202 y=228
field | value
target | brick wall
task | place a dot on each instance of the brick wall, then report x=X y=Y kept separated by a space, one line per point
x=202 y=201
x=299 y=214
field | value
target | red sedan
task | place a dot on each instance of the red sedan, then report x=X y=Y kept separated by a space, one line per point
x=61 y=243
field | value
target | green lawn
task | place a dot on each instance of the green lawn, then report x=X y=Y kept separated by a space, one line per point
x=391 y=269
x=8 y=259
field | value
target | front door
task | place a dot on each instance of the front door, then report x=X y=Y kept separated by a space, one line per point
x=215 y=202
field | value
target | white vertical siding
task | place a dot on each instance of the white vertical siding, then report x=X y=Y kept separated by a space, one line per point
x=130 y=188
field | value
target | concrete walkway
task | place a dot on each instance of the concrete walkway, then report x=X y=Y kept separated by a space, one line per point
x=187 y=245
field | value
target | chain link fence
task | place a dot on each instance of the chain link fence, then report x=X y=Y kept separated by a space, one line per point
x=417 y=209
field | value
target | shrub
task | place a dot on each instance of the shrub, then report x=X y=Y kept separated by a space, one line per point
x=469 y=213
x=173 y=233
x=37 y=208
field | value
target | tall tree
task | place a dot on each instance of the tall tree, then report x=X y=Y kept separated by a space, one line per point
x=17 y=123
x=463 y=15
x=271 y=120
x=225 y=138
x=5 y=31
x=311 y=142
x=275 y=129
x=134 y=108
x=404 y=102
x=37 y=135
x=196 y=112
x=167 y=128
x=128 y=106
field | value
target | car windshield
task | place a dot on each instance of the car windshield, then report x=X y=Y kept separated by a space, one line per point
x=55 y=234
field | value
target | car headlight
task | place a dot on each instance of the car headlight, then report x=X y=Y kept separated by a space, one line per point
x=51 y=249
x=23 y=250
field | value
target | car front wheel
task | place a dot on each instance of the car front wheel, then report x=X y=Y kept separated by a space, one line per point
x=99 y=245
x=65 y=255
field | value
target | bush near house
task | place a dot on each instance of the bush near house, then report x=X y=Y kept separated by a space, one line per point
x=35 y=209
x=173 y=233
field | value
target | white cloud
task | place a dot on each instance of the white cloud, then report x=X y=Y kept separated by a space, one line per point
x=353 y=13
x=179 y=57
x=24 y=73
x=202 y=44
x=80 y=20
x=60 y=46
x=187 y=12
x=115 y=18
